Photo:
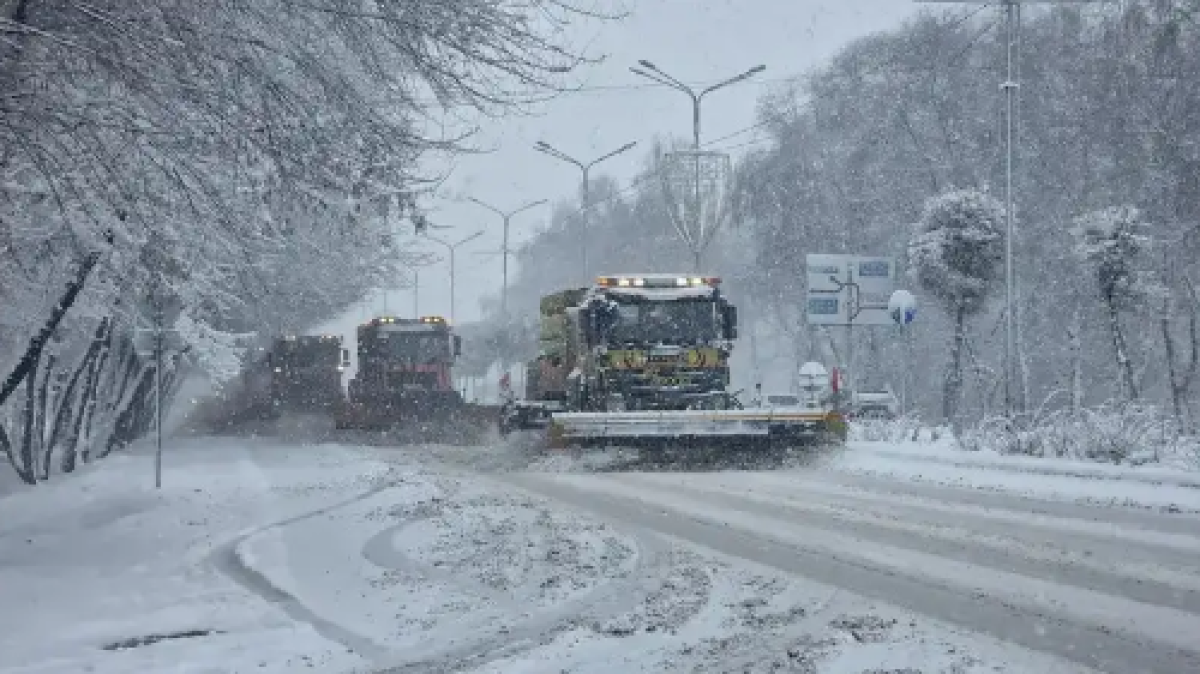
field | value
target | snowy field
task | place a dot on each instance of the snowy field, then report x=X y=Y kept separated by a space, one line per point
x=262 y=555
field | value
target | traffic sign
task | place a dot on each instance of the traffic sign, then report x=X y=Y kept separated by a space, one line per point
x=849 y=289
x=902 y=307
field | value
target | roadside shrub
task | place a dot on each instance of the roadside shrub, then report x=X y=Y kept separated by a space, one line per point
x=907 y=428
x=1116 y=432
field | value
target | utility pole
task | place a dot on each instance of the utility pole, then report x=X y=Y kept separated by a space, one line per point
x=544 y=147
x=1011 y=87
x=159 y=345
x=506 y=216
x=656 y=74
x=451 y=248
x=152 y=343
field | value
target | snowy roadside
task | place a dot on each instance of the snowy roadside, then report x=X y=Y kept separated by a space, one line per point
x=102 y=573
x=471 y=575
x=270 y=557
x=941 y=462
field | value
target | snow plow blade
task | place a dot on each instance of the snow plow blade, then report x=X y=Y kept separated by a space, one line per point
x=419 y=421
x=726 y=427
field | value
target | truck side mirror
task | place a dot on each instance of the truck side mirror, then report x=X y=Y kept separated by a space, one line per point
x=345 y=360
x=730 y=319
x=457 y=346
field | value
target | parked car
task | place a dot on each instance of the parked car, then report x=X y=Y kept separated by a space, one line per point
x=876 y=405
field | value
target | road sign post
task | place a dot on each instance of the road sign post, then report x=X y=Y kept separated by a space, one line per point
x=902 y=307
x=152 y=343
x=849 y=290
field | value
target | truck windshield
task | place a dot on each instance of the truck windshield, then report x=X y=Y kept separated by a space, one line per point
x=420 y=347
x=666 y=321
x=303 y=355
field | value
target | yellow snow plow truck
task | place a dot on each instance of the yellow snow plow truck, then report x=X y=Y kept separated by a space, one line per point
x=643 y=360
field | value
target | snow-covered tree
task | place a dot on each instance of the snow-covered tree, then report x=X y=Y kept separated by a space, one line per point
x=250 y=162
x=955 y=256
x=1111 y=241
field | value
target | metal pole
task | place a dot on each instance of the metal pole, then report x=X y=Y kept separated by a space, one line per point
x=504 y=273
x=416 y=292
x=585 y=193
x=904 y=338
x=653 y=72
x=1010 y=87
x=504 y=250
x=452 y=284
x=452 y=250
x=698 y=214
x=158 y=349
x=587 y=217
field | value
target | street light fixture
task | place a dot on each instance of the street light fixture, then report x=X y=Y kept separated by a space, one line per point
x=656 y=74
x=546 y=148
x=451 y=248
x=653 y=72
x=504 y=250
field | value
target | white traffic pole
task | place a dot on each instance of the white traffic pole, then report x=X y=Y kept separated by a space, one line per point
x=902 y=307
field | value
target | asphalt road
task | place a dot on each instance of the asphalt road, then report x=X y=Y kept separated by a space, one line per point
x=1117 y=590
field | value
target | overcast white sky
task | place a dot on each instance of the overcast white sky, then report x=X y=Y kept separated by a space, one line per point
x=697 y=41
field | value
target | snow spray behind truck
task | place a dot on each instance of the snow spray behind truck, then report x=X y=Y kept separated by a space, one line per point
x=306 y=372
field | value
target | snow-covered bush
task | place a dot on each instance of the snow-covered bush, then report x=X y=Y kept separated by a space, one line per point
x=1111 y=242
x=1117 y=432
x=955 y=256
x=900 y=429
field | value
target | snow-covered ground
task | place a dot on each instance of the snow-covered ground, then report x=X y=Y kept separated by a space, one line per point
x=93 y=563
x=1147 y=485
x=270 y=556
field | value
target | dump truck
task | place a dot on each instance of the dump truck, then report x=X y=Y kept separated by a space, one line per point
x=404 y=376
x=643 y=359
x=306 y=373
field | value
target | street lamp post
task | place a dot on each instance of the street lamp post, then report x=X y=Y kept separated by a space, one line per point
x=654 y=73
x=450 y=249
x=546 y=148
x=651 y=71
x=417 y=265
x=504 y=251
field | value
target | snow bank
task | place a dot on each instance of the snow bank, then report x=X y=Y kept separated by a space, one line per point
x=944 y=462
x=103 y=573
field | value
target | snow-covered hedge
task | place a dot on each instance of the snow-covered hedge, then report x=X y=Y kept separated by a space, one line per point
x=1112 y=433
x=901 y=429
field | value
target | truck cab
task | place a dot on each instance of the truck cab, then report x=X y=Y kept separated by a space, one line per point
x=404 y=368
x=655 y=342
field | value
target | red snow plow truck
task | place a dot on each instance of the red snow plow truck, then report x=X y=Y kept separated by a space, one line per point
x=404 y=379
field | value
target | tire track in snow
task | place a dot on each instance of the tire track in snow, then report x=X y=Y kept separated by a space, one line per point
x=528 y=630
x=1093 y=629
x=970 y=541
x=226 y=560
x=954 y=499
